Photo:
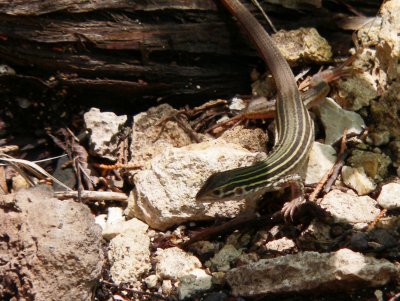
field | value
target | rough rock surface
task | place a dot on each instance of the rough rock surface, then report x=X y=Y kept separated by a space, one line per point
x=49 y=249
x=304 y=44
x=254 y=140
x=347 y=208
x=183 y=268
x=307 y=271
x=375 y=164
x=114 y=223
x=223 y=259
x=151 y=137
x=129 y=255
x=165 y=195
x=103 y=128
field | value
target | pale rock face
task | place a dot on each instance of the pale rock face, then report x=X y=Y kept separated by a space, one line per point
x=335 y=120
x=348 y=208
x=322 y=158
x=103 y=128
x=165 y=194
x=356 y=179
x=182 y=268
x=129 y=255
x=389 y=198
x=334 y=271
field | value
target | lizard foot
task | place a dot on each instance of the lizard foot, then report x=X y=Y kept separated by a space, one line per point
x=289 y=209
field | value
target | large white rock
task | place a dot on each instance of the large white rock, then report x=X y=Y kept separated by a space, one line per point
x=165 y=194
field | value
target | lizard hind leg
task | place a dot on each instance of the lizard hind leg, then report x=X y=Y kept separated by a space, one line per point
x=297 y=195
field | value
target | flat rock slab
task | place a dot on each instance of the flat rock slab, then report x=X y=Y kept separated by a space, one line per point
x=308 y=271
x=49 y=249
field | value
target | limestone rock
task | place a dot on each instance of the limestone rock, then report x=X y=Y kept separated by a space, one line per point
x=308 y=271
x=103 y=128
x=348 y=208
x=184 y=268
x=165 y=195
x=129 y=255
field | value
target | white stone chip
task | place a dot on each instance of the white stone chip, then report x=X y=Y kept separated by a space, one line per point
x=356 y=179
x=280 y=245
x=389 y=197
x=322 y=158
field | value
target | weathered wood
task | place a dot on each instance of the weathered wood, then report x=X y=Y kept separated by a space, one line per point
x=117 y=48
x=39 y=7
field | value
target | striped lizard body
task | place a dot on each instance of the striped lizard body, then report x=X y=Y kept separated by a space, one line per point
x=294 y=128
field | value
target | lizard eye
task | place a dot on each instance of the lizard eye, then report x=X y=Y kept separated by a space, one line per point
x=238 y=191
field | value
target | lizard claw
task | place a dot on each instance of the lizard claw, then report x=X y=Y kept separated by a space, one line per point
x=289 y=209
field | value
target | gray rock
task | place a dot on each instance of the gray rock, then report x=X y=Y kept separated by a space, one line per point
x=53 y=247
x=341 y=270
x=223 y=258
x=103 y=128
x=335 y=120
x=184 y=268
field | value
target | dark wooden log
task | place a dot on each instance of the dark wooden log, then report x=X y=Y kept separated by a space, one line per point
x=126 y=50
